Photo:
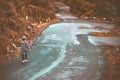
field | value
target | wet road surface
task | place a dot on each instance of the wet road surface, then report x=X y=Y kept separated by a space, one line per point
x=64 y=51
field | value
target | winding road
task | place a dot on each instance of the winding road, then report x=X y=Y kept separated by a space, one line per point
x=64 y=51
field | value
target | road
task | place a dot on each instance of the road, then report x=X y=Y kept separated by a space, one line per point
x=64 y=51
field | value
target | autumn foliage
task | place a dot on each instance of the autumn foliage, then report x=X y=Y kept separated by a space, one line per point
x=19 y=17
x=100 y=9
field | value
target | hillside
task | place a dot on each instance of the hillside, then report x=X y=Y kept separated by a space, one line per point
x=102 y=11
x=95 y=9
x=20 y=17
x=98 y=11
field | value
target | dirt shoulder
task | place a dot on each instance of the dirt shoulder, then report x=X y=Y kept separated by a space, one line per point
x=112 y=54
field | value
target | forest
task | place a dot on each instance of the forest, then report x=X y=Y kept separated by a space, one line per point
x=18 y=18
x=108 y=9
x=21 y=17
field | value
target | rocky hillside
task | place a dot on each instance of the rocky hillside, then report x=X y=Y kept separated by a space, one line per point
x=20 y=17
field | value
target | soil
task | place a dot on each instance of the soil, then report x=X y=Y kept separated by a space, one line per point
x=113 y=59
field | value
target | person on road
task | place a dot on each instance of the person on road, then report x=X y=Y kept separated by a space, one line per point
x=25 y=48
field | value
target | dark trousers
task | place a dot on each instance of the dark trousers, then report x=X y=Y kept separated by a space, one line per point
x=24 y=56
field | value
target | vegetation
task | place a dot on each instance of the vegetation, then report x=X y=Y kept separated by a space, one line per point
x=109 y=9
x=18 y=18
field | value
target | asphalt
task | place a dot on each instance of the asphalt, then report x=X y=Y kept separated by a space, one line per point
x=60 y=53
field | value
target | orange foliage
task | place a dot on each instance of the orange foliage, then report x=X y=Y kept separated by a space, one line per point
x=17 y=15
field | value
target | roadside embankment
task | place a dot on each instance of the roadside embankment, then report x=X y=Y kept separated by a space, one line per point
x=37 y=32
